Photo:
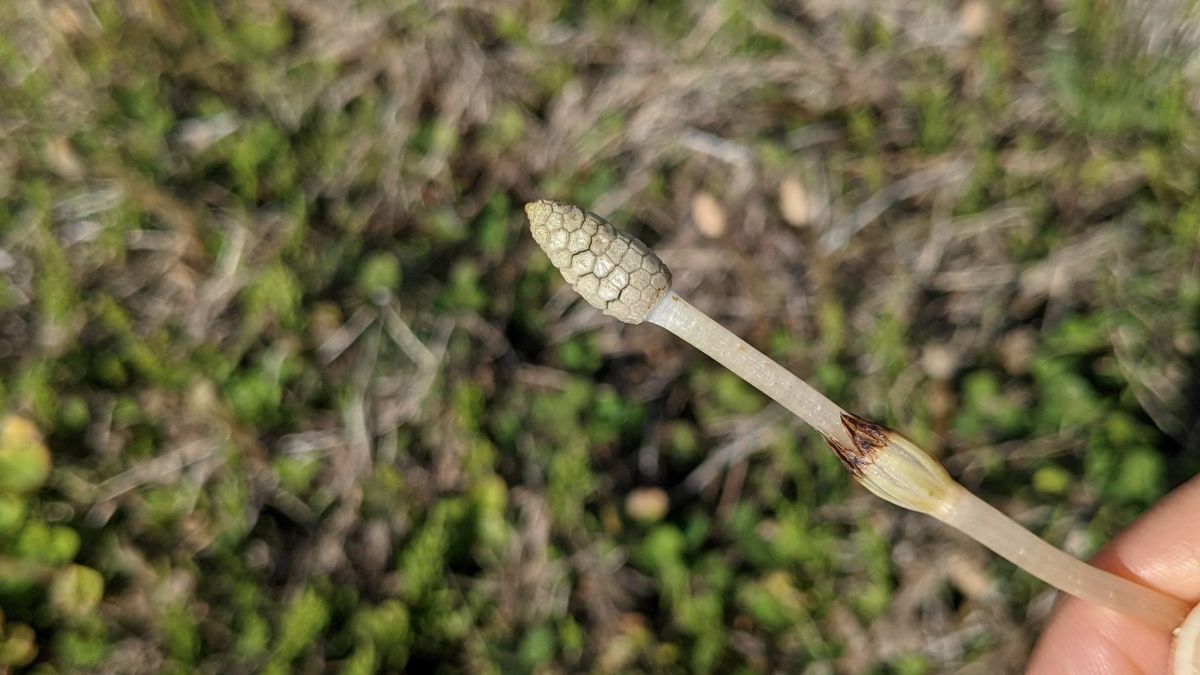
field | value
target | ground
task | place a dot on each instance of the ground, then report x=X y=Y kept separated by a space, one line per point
x=289 y=388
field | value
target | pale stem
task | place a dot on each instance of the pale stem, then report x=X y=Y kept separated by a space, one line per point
x=697 y=328
x=955 y=506
x=623 y=277
x=1008 y=539
x=1186 y=660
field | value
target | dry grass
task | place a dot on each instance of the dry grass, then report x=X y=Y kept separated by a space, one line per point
x=315 y=403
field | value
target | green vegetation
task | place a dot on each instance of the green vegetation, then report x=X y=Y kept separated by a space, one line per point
x=287 y=387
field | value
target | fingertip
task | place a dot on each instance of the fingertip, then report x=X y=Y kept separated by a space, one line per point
x=1162 y=547
x=1083 y=638
x=1161 y=550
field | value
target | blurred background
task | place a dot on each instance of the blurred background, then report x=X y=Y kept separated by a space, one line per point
x=289 y=388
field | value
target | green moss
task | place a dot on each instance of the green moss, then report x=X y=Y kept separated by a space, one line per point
x=986 y=408
x=48 y=544
x=254 y=396
x=379 y=276
x=1052 y=480
x=369 y=159
x=304 y=618
x=873 y=596
x=570 y=484
x=1066 y=399
x=386 y=630
x=18 y=646
x=24 y=458
x=12 y=514
x=774 y=601
x=297 y=474
x=489 y=498
x=581 y=353
x=275 y=296
x=491 y=227
x=932 y=101
x=76 y=591
x=464 y=290
x=84 y=647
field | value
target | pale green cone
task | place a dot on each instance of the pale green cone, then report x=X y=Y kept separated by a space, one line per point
x=610 y=269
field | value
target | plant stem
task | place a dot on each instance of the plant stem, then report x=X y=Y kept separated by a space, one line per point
x=702 y=332
x=620 y=275
x=1186 y=657
x=1008 y=539
x=897 y=470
